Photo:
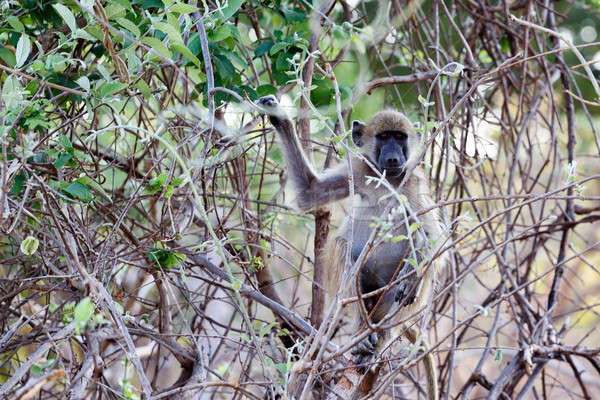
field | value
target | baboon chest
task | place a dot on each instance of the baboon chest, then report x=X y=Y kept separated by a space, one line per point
x=385 y=260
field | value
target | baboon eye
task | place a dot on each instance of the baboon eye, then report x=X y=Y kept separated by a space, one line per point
x=383 y=136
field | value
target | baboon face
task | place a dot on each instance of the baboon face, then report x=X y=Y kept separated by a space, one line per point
x=391 y=152
x=384 y=140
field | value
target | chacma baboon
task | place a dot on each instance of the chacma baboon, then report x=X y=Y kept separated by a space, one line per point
x=398 y=264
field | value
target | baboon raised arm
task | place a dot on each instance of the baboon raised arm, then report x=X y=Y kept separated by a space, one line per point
x=313 y=190
x=387 y=143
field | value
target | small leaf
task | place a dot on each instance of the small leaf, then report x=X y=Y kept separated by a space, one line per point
x=83 y=310
x=264 y=90
x=18 y=183
x=266 y=329
x=180 y=47
x=224 y=66
x=236 y=285
x=182 y=8
x=283 y=367
x=220 y=34
x=80 y=191
x=67 y=16
x=83 y=83
x=130 y=26
x=7 y=56
x=232 y=7
x=399 y=238
x=263 y=48
x=414 y=226
x=15 y=23
x=66 y=144
x=424 y=101
x=29 y=245
x=277 y=47
x=144 y=89
x=498 y=356
x=283 y=62
x=83 y=34
x=157 y=45
x=111 y=88
x=174 y=35
x=86 y=180
x=62 y=160
x=23 y=50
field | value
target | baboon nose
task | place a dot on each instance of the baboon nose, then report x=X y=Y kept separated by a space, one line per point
x=393 y=162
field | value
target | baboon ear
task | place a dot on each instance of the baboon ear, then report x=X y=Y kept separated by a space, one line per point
x=357 y=132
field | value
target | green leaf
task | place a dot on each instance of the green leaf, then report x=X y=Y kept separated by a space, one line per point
x=283 y=367
x=182 y=8
x=130 y=26
x=18 y=183
x=111 y=88
x=277 y=47
x=220 y=34
x=235 y=59
x=86 y=180
x=282 y=63
x=264 y=90
x=180 y=47
x=83 y=310
x=246 y=90
x=66 y=144
x=266 y=329
x=339 y=33
x=29 y=245
x=144 y=89
x=164 y=258
x=174 y=34
x=169 y=192
x=23 y=50
x=124 y=3
x=15 y=23
x=67 y=16
x=147 y=4
x=80 y=191
x=224 y=66
x=158 y=181
x=505 y=44
x=236 y=285
x=263 y=48
x=232 y=7
x=114 y=10
x=177 y=181
x=498 y=356
x=157 y=45
x=399 y=238
x=293 y=15
x=414 y=226
x=83 y=83
x=62 y=160
x=7 y=56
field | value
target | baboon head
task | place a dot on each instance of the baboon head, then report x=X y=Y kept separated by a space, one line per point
x=386 y=140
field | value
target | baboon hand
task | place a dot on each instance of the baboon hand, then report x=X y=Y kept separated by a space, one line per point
x=271 y=106
x=406 y=292
x=269 y=101
x=364 y=352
